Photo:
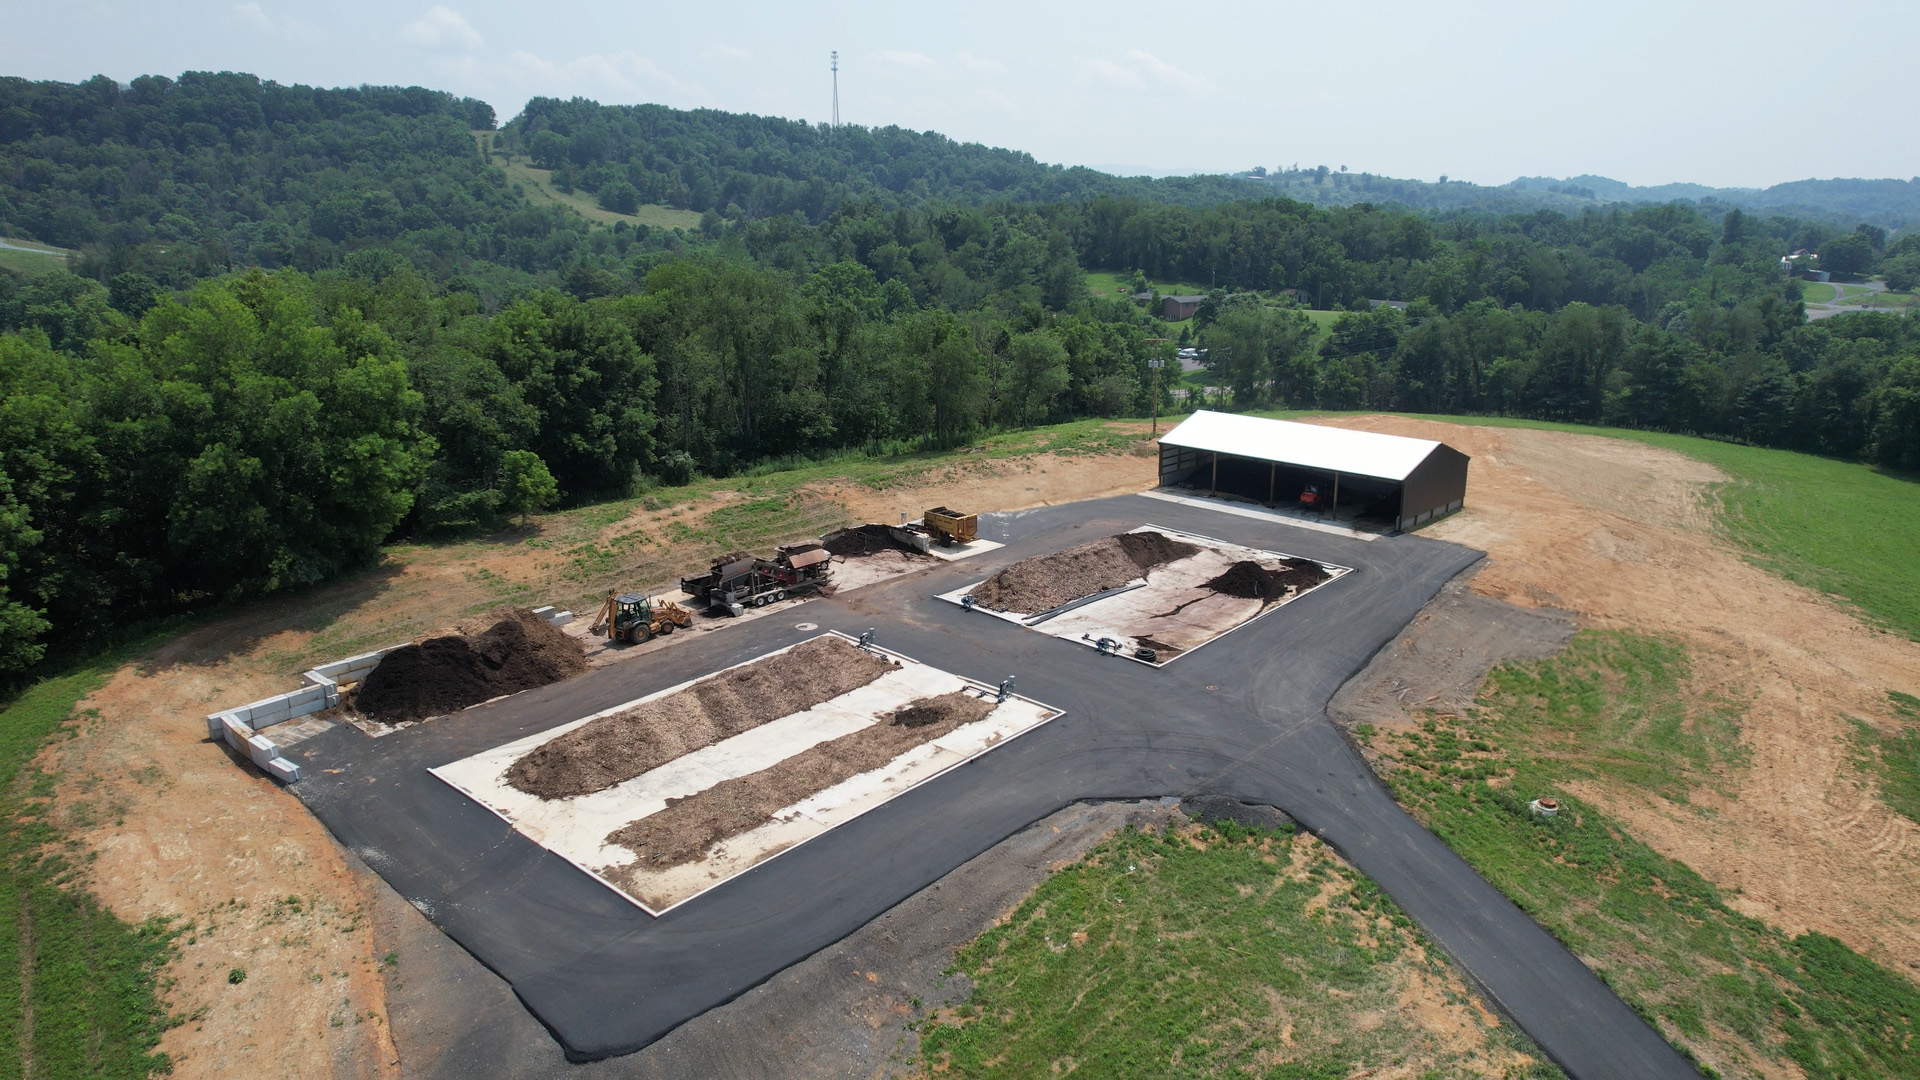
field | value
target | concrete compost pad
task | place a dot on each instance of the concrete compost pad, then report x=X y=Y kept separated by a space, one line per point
x=1245 y=719
x=1169 y=609
x=578 y=829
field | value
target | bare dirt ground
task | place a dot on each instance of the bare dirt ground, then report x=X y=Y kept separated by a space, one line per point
x=1614 y=532
x=1621 y=535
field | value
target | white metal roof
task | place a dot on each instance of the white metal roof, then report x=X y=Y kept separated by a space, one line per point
x=1361 y=453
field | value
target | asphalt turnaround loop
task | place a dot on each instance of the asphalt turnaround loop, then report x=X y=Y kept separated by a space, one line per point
x=1242 y=719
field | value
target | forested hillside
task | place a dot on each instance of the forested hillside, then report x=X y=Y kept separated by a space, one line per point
x=307 y=322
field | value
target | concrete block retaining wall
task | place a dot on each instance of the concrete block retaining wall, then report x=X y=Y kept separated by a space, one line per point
x=320 y=689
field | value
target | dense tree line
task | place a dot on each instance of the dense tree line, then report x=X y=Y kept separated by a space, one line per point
x=188 y=419
x=748 y=167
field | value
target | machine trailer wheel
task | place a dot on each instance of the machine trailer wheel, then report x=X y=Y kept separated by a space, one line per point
x=779 y=595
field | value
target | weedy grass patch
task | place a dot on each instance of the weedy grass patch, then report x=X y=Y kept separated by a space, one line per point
x=1210 y=951
x=1731 y=991
x=78 y=986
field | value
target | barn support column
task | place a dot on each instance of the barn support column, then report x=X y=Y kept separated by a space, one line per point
x=1273 y=472
x=1215 y=488
x=1336 y=496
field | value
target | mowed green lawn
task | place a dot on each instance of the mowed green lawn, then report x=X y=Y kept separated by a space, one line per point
x=1816 y=292
x=1837 y=526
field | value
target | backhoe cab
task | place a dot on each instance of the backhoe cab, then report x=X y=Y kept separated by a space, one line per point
x=633 y=617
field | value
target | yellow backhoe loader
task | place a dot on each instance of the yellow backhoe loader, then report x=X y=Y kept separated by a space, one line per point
x=633 y=618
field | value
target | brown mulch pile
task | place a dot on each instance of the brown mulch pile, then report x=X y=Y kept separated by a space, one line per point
x=1044 y=582
x=862 y=540
x=688 y=827
x=445 y=674
x=613 y=749
x=1256 y=582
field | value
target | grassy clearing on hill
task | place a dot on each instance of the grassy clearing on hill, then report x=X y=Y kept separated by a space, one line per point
x=1817 y=292
x=1112 y=283
x=1205 y=952
x=77 y=985
x=1843 y=528
x=1731 y=990
x=42 y=258
x=539 y=184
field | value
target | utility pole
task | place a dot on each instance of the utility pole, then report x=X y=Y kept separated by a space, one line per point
x=836 y=89
x=1156 y=365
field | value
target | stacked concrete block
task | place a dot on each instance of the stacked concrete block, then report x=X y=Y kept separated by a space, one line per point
x=321 y=690
x=554 y=616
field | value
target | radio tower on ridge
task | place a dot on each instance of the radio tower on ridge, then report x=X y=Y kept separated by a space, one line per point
x=836 y=89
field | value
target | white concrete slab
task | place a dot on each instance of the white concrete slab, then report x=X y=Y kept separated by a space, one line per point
x=576 y=829
x=659 y=890
x=1174 y=608
x=1278 y=517
x=963 y=551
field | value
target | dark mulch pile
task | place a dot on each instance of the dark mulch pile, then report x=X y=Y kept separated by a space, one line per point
x=445 y=674
x=960 y=706
x=1151 y=549
x=862 y=540
x=1255 y=582
x=1045 y=582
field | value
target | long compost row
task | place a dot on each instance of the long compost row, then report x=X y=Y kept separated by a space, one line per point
x=690 y=826
x=614 y=749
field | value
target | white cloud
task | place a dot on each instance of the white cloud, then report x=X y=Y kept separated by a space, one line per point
x=622 y=77
x=441 y=25
x=725 y=52
x=912 y=61
x=1165 y=72
x=1110 y=72
x=979 y=65
x=284 y=27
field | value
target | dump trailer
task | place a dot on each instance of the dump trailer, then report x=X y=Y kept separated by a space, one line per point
x=634 y=617
x=740 y=581
x=951 y=526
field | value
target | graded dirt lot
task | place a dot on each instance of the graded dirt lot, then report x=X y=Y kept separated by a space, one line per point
x=1621 y=535
x=1614 y=532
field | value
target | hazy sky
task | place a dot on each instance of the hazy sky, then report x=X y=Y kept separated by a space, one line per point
x=1745 y=94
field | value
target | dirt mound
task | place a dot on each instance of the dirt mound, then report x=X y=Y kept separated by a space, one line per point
x=861 y=540
x=1151 y=549
x=1255 y=582
x=939 y=710
x=445 y=674
x=689 y=826
x=613 y=749
x=1044 y=582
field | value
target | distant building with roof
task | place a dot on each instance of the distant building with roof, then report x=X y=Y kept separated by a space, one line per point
x=1175 y=308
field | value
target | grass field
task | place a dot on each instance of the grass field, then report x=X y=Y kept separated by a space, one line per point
x=77 y=985
x=1727 y=988
x=1208 y=952
x=1887 y=300
x=539 y=186
x=1840 y=527
x=42 y=258
x=1110 y=283
x=1817 y=292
